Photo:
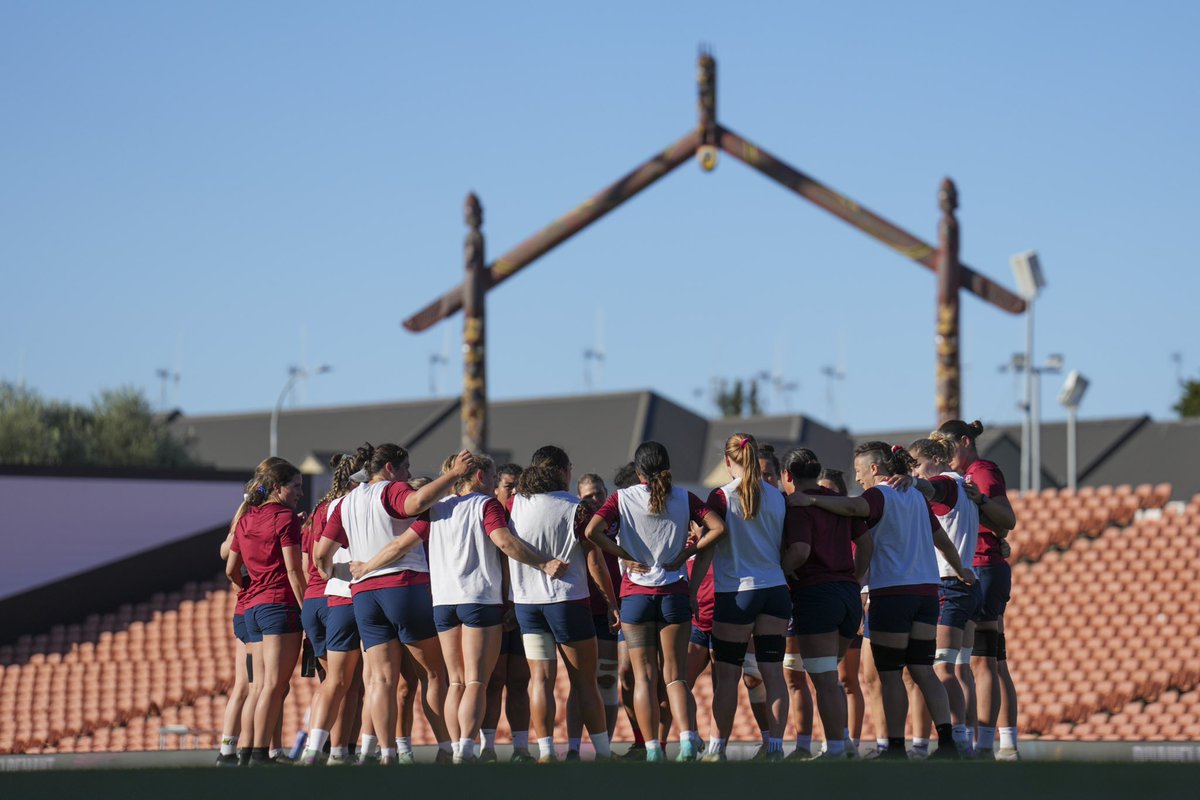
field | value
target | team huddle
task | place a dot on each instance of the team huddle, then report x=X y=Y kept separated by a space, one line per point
x=466 y=589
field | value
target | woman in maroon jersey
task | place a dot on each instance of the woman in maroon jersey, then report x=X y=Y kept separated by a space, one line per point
x=267 y=542
x=996 y=519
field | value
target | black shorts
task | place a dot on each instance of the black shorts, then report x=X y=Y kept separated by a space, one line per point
x=826 y=607
x=896 y=613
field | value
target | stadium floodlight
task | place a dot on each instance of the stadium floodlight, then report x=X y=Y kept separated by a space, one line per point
x=295 y=374
x=1070 y=397
x=1027 y=270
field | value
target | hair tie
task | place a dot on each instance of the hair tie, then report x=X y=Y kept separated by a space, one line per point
x=896 y=449
x=742 y=445
x=261 y=489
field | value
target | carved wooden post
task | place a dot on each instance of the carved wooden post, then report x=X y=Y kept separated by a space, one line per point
x=474 y=397
x=949 y=388
x=706 y=78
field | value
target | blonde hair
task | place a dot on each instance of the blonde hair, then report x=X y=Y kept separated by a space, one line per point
x=742 y=449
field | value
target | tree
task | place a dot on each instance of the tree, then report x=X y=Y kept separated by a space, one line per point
x=117 y=430
x=1189 y=401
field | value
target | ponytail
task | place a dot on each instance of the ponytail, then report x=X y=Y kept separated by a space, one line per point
x=654 y=464
x=958 y=429
x=742 y=449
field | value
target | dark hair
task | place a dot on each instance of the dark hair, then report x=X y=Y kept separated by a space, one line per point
x=254 y=493
x=895 y=460
x=767 y=452
x=277 y=476
x=376 y=457
x=802 y=464
x=654 y=464
x=940 y=447
x=958 y=429
x=626 y=476
x=835 y=477
x=742 y=449
x=547 y=472
x=343 y=466
x=511 y=469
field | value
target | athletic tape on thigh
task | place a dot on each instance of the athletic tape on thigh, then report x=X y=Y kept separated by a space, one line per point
x=987 y=643
x=815 y=666
x=539 y=646
x=945 y=655
x=750 y=667
x=729 y=652
x=920 y=652
x=640 y=636
x=887 y=659
x=770 y=648
x=606 y=680
x=1001 y=649
x=964 y=657
x=793 y=662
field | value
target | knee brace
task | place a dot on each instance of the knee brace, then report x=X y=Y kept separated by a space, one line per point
x=793 y=661
x=887 y=659
x=758 y=694
x=1001 y=649
x=920 y=652
x=771 y=648
x=539 y=646
x=987 y=644
x=946 y=655
x=750 y=669
x=606 y=680
x=815 y=666
x=728 y=652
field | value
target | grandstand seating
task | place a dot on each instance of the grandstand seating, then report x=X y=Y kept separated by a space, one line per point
x=1103 y=644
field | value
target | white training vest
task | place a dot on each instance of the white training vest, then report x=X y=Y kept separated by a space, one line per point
x=748 y=555
x=904 y=552
x=369 y=527
x=339 y=584
x=547 y=523
x=464 y=565
x=962 y=526
x=653 y=539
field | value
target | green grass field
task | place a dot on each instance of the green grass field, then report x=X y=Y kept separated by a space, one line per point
x=618 y=781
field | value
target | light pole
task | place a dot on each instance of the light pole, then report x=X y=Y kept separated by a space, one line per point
x=1070 y=397
x=1031 y=429
x=295 y=374
x=1028 y=272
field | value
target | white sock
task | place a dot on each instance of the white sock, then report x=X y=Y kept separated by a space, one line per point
x=1008 y=737
x=920 y=743
x=367 y=748
x=961 y=737
x=489 y=738
x=766 y=736
x=228 y=745
x=449 y=748
x=275 y=752
x=546 y=745
x=387 y=752
x=601 y=743
x=835 y=748
x=653 y=746
x=317 y=739
x=881 y=744
x=573 y=744
x=466 y=748
x=456 y=747
x=715 y=746
x=774 y=744
x=987 y=738
x=339 y=752
x=403 y=744
x=804 y=742
x=520 y=740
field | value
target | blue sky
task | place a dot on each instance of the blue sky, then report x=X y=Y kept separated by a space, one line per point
x=230 y=188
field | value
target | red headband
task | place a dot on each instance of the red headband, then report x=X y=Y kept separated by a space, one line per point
x=896 y=449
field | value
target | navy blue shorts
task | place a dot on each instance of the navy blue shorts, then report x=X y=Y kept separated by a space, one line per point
x=995 y=584
x=313 y=616
x=397 y=612
x=511 y=643
x=663 y=609
x=473 y=615
x=239 y=628
x=341 y=630
x=743 y=608
x=600 y=621
x=271 y=619
x=701 y=637
x=958 y=603
x=826 y=607
x=567 y=622
x=896 y=613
